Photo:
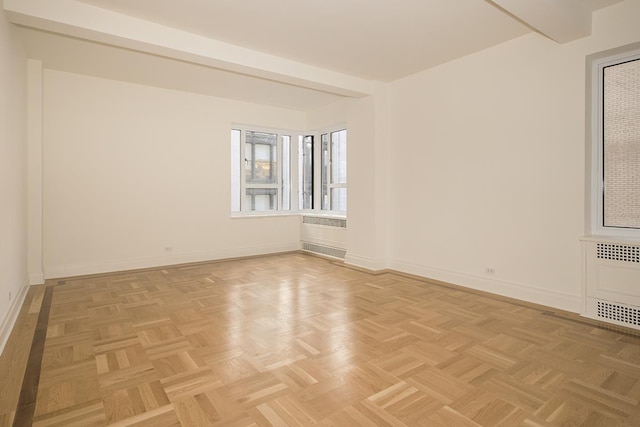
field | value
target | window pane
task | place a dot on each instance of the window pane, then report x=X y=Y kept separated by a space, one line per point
x=305 y=150
x=622 y=145
x=325 y=171
x=339 y=199
x=286 y=172
x=261 y=199
x=339 y=157
x=262 y=202
x=260 y=157
x=235 y=170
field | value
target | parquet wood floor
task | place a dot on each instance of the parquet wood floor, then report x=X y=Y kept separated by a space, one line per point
x=292 y=339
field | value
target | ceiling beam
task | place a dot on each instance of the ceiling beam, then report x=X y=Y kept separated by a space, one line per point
x=560 y=20
x=84 y=21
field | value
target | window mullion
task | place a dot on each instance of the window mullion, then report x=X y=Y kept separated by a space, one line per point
x=243 y=172
x=278 y=178
x=329 y=177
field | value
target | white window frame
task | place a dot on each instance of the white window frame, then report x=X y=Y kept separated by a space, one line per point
x=278 y=185
x=238 y=176
x=596 y=64
x=326 y=169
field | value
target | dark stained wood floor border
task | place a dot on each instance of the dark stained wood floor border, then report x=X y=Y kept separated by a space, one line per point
x=29 y=390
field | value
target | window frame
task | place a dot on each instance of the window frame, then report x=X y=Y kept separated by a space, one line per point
x=596 y=64
x=239 y=184
x=327 y=180
x=302 y=140
x=243 y=185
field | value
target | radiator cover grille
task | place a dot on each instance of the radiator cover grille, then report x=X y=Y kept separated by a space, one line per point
x=618 y=312
x=330 y=222
x=324 y=250
x=618 y=252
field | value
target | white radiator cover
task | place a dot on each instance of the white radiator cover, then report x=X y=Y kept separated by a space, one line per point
x=611 y=277
x=324 y=235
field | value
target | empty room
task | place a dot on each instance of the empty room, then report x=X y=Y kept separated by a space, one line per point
x=330 y=213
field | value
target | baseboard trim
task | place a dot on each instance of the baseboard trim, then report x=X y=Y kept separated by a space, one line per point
x=529 y=294
x=113 y=266
x=371 y=264
x=12 y=315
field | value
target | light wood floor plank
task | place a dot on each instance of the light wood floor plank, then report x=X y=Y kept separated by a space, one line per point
x=296 y=340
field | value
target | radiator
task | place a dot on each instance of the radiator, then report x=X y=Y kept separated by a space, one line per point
x=324 y=235
x=612 y=281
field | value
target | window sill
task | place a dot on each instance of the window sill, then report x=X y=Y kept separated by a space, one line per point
x=337 y=215
x=244 y=215
x=610 y=238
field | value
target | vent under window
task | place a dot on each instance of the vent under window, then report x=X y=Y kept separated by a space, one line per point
x=330 y=222
x=618 y=313
x=324 y=250
x=617 y=252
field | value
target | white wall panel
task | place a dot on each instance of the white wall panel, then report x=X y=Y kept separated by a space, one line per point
x=137 y=176
x=489 y=164
x=13 y=176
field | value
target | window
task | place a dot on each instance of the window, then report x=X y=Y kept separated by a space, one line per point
x=615 y=145
x=260 y=171
x=269 y=173
x=334 y=171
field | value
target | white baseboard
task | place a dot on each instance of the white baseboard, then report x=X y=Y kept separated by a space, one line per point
x=365 y=262
x=12 y=315
x=110 y=266
x=560 y=300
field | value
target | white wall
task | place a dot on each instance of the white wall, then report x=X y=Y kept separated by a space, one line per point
x=367 y=182
x=329 y=115
x=488 y=164
x=367 y=178
x=130 y=170
x=13 y=228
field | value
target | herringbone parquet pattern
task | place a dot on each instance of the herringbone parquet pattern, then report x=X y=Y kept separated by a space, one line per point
x=291 y=339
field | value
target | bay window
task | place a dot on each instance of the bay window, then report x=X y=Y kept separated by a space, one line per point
x=270 y=174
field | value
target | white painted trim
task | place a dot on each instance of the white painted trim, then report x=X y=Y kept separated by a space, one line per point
x=114 y=265
x=12 y=315
x=610 y=239
x=583 y=276
x=262 y=214
x=365 y=262
x=561 y=300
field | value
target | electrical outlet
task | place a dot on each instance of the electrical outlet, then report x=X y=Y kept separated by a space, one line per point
x=168 y=249
x=490 y=270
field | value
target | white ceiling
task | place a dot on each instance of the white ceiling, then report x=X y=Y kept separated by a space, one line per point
x=307 y=52
x=372 y=39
